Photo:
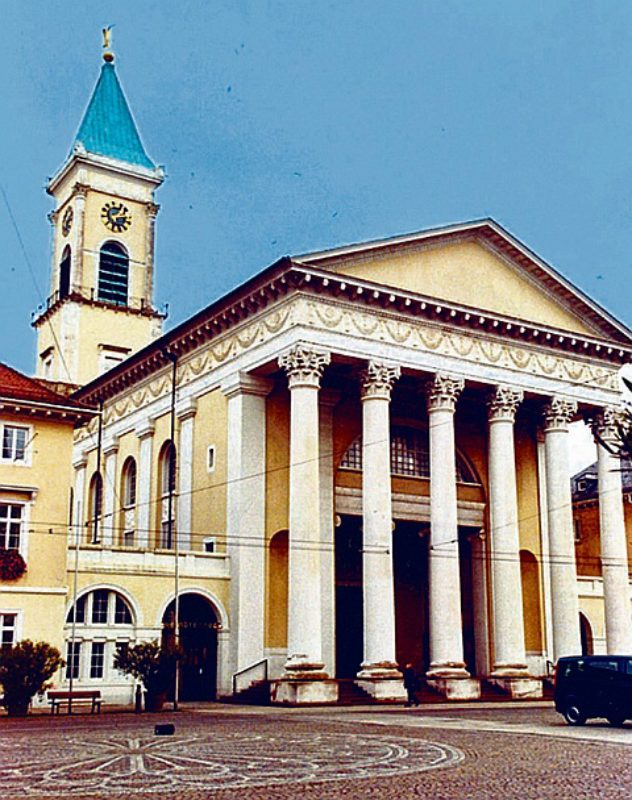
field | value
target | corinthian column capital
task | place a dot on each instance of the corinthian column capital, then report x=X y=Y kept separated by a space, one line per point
x=377 y=380
x=442 y=391
x=558 y=413
x=606 y=424
x=503 y=402
x=304 y=365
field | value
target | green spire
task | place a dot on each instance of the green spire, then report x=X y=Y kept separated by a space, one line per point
x=108 y=128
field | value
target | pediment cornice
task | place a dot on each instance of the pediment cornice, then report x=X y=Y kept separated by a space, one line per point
x=288 y=278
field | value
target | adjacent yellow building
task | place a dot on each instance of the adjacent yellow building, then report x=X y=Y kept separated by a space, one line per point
x=36 y=434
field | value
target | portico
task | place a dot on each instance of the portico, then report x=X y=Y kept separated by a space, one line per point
x=397 y=481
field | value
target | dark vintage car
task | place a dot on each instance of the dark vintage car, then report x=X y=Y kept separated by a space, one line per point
x=594 y=686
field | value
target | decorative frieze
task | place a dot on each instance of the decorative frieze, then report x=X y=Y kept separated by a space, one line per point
x=503 y=402
x=558 y=413
x=477 y=352
x=378 y=379
x=304 y=365
x=442 y=391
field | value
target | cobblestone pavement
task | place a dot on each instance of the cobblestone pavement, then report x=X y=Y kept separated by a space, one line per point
x=224 y=752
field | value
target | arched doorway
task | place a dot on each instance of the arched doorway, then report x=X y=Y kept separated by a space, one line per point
x=585 y=632
x=198 y=640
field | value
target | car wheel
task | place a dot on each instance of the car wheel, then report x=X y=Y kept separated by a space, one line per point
x=573 y=713
x=616 y=720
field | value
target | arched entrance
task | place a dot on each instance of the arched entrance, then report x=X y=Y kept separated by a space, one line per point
x=198 y=640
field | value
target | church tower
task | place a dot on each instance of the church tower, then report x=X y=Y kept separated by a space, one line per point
x=100 y=308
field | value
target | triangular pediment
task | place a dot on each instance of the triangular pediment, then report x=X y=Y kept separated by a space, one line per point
x=480 y=266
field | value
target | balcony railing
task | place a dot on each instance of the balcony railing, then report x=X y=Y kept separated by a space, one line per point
x=91 y=295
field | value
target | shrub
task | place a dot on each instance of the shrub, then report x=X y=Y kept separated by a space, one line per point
x=25 y=670
x=150 y=663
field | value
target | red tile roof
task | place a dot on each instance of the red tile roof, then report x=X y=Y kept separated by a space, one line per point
x=16 y=386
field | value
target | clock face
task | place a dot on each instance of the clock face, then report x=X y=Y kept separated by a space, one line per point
x=116 y=216
x=66 y=223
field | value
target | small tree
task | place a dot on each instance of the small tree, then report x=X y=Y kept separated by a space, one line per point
x=25 y=670
x=150 y=663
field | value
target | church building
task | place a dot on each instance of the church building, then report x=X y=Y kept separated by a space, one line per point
x=356 y=459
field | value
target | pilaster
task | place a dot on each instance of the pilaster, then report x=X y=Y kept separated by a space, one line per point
x=186 y=410
x=245 y=514
x=145 y=433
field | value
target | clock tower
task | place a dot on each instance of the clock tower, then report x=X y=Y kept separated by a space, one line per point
x=100 y=309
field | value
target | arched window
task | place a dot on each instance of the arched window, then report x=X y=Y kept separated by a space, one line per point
x=410 y=456
x=129 y=502
x=95 y=507
x=167 y=494
x=103 y=622
x=113 y=274
x=64 y=273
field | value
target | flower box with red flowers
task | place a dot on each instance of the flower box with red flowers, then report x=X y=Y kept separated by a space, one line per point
x=12 y=565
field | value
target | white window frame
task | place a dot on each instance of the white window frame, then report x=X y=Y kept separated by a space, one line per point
x=17 y=628
x=211 y=458
x=26 y=509
x=110 y=356
x=212 y=540
x=28 y=450
x=100 y=641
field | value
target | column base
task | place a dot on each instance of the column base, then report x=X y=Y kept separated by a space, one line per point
x=518 y=687
x=447 y=669
x=300 y=668
x=287 y=691
x=455 y=687
x=380 y=670
x=383 y=688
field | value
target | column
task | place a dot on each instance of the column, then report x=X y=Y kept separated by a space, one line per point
x=508 y=622
x=304 y=367
x=447 y=670
x=558 y=413
x=614 y=554
x=328 y=399
x=185 y=412
x=377 y=524
x=245 y=515
x=145 y=433
x=110 y=493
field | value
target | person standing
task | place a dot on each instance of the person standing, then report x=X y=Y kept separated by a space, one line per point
x=411 y=684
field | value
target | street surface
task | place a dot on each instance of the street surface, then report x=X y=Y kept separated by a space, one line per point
x=220 y=752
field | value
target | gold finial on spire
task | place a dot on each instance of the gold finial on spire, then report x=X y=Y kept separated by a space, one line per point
x=107 y=54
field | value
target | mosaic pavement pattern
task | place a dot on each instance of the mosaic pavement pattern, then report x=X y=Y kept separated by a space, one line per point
x=122 y=764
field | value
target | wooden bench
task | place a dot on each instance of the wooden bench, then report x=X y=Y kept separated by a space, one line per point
x=58 y=698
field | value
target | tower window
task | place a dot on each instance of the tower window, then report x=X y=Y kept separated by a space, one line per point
x=113 y=274
x=64 y=273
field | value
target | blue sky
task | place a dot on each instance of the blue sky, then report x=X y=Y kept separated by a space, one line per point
x=286 y=127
